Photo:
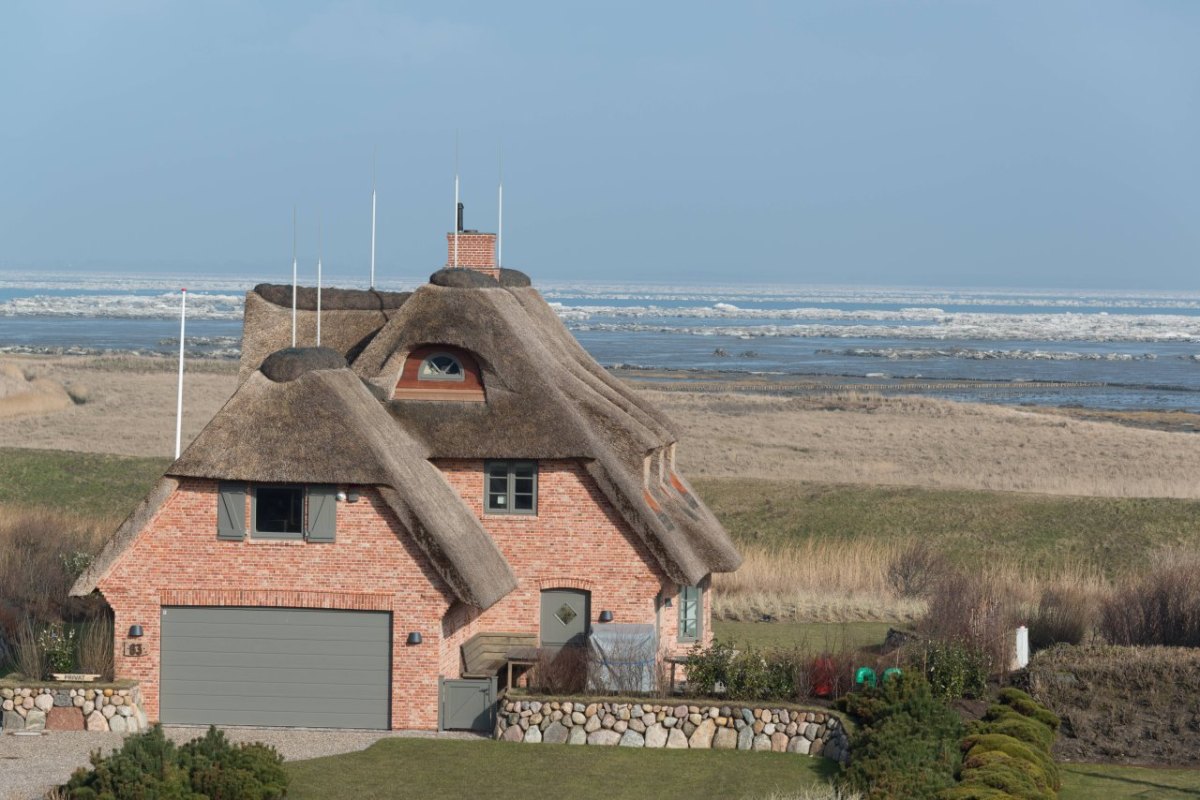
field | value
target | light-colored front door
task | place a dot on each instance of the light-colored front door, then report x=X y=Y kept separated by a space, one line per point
x=565 y=616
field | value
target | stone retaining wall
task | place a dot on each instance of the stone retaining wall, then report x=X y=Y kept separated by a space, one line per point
x=700 y=727
x=41 y=707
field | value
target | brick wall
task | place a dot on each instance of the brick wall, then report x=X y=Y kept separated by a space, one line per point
x=576 y=541
x=475 y=251
x=373 y=565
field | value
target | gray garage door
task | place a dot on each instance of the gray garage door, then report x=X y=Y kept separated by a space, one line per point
x=275 y=667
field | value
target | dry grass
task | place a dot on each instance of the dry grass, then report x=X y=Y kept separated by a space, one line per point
x=919 y=441
x=852 y=581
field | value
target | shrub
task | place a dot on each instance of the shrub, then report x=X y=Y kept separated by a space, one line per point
x=150 y=766
x=1007 y=754
x=974 y=612
x=708 y=668
x=1161 y=607
x=907 y=742
x=28 y=654
x=1063 y=616
x=752 y=674
x=562 y=671
x=58 y=644
x=955 y=670
x=915 y=570
x=96 y=647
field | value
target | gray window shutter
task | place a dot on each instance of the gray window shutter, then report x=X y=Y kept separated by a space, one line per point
x=231 y=511
x=322 y=512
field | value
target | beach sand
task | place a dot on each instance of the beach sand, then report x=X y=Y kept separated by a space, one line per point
x=834 y=438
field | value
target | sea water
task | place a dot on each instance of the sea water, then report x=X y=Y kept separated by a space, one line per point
x=1111 y=350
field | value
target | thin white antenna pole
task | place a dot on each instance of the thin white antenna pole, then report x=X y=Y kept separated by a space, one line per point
x=500 y=216
x=293 y=276
x=318 y=280
x=179 y=396
x=373 y=160
x=456 y=198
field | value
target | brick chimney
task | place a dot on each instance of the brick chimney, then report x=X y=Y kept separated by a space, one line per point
x=475 y=250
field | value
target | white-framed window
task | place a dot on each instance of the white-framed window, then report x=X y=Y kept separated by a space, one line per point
x=691 y=601
x=441 y=367
x=510 y=487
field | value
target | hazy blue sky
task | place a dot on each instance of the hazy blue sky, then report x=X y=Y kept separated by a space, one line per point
x=963 y=143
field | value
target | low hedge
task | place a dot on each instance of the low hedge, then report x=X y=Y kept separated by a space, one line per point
x=1006 y=755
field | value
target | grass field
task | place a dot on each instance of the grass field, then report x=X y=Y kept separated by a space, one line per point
x=971 y=527
x=1090 y=781
x=433 y=769
x=88 y=484
x=812 y=637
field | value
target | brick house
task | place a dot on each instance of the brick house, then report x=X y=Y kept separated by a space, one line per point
x=369 y=532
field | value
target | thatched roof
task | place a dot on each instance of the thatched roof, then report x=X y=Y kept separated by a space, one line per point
x=302 y=416
x=547 y=398
x=322 y=425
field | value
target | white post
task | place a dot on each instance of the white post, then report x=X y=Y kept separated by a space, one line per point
x=179 y=396
x=372 y=223
x=456 y=198
x=293 y=276
x=500 y=221
x=1022 y=655
x=318 y=280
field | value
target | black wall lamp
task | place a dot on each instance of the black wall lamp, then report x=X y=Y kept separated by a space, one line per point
x=135 y=631
x=606 y=616
x=413 y=638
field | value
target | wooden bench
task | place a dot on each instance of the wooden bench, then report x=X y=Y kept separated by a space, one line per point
x=485 y=654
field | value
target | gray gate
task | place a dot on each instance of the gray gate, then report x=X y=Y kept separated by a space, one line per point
x=276 y=667
x=467 y=705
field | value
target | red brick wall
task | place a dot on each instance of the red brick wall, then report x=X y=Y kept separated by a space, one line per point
x=475 y=250
x=373 y=565
x=576 y=540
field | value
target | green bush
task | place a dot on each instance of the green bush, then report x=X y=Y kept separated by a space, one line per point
x=745 y=675
x=956 y=670
x=907 y=741
x=1007 y=754
x=150 y=767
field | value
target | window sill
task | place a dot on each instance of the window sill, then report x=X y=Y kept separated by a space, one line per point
x=289 y=542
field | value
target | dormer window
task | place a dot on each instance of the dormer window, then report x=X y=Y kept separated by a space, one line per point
x=441 y=367
x=440 y=372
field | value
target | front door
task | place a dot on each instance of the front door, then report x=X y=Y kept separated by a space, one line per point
x=565 y=615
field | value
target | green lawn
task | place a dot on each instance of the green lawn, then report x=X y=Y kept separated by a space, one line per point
x=84 y=483
x=969 y=526
x=453 y=769
x=812 y=637
x=1090 y=781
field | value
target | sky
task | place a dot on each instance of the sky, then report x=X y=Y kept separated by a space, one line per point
x=1006 y=143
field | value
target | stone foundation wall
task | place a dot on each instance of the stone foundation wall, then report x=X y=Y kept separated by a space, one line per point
x=40 y=707
x=699 y=727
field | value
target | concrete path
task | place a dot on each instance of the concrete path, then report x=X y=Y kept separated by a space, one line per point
x=32 y=765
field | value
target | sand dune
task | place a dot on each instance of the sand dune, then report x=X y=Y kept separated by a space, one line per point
x=910 y=441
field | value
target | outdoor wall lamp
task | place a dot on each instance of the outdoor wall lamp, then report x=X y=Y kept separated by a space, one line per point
x=606 y=616
x=414 y=638
x=135 y=631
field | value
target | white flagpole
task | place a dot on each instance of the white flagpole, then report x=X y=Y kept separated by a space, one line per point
x=318 y=280
x=456 y=198
x=373 y=160
x=293 y=276
x=179 y=396
x=500 y=217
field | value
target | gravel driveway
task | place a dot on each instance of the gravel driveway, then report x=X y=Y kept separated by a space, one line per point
x=31 y=765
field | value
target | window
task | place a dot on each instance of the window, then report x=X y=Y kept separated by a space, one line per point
x=510 y=487
x=290 y=512
x=279 y=510
x=440 y=367
x=690 y=603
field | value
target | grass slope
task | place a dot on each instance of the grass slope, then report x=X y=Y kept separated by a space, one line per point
x=89 y=484
x=1090 y=781
x=452 y=769
x=973 y=527
x=811 y=637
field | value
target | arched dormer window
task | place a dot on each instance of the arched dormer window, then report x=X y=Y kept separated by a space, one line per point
x=441 y=367
x=440 y=372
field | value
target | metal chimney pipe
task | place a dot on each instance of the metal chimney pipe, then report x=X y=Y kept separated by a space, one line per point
x=460 y=218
